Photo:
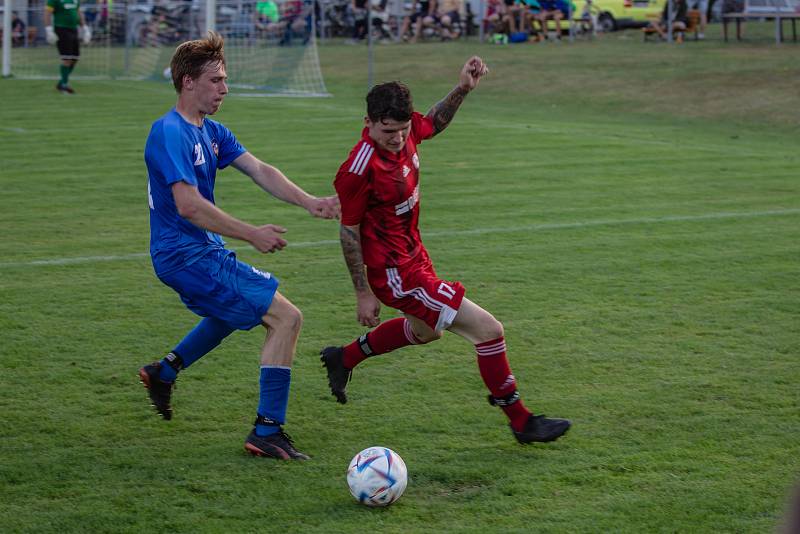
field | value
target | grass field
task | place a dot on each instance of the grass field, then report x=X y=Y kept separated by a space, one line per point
x=629 y=211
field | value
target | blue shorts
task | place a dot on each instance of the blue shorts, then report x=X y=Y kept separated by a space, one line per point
x=220 y=286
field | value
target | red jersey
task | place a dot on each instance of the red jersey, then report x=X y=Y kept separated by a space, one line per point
x=379 y=190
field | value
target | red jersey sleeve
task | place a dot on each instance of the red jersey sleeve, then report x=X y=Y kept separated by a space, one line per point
x=421 y=127
x=353 y=190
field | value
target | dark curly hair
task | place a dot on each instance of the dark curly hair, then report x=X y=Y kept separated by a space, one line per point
x=390 y=100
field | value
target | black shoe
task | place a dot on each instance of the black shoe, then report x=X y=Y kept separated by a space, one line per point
x=65 y=88
x=160 y=392
x=278 y=445
x=541 y=428
x=338 y=375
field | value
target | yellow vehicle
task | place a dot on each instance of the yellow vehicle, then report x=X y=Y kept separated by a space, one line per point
x=618 y=14
x=612 y=15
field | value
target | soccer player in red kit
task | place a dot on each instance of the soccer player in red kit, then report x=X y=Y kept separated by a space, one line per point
x=378 y=188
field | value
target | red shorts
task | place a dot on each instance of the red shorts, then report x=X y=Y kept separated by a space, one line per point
x=415 y=289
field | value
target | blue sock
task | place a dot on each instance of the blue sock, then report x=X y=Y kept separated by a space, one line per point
x=200 y=341
x=274 y=397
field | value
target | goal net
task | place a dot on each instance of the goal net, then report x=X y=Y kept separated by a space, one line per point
x=270 y=45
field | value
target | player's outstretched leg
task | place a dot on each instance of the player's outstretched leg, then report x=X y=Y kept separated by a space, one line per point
x=388 y=336
x=160 y=392
x=537 y=427
x=159 y=377
x=338 y=374
x=479 y=326
x=276 y=445
x=496 y=374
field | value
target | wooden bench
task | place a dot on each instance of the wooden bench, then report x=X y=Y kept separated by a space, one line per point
x=778 y=17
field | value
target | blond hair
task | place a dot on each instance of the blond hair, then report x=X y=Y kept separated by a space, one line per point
x=192 y=57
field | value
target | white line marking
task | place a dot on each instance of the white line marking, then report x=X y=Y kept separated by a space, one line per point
x=449 y=233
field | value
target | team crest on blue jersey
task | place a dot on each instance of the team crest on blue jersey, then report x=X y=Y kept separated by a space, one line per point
x=215 y=148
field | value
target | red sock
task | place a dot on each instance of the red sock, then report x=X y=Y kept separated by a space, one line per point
x=386 y=337
x=496 y=374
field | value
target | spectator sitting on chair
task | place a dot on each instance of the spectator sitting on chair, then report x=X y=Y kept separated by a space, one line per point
x=422 y=9
x=589 y=16
x=449 y=12
x=702 y=7
x=431 y=22
x=267 y=18
x=358 y=10
x=680 y=19
x=379 y=19
x=515 y=13
x=17 y=30
x=532 y=10
x=555 y=10
x=498 y=19
x=293 y=19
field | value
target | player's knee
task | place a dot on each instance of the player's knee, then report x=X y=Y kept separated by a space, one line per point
x=295 y=319
x=492 y=329
x=428 y=336
x=288 y=319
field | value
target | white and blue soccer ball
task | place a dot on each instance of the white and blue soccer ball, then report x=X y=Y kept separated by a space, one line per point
x=377 y=476
x=168 y=73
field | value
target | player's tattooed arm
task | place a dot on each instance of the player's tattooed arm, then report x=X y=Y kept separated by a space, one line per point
x=471 y=73
x=351 y=248
x=443 y=112
x=368 y=308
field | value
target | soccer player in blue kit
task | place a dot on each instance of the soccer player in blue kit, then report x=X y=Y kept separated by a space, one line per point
x=183 y=152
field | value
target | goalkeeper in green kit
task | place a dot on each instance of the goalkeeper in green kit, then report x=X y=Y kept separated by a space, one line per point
x=62 y=18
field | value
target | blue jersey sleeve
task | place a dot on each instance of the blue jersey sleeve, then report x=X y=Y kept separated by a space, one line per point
x=171 y=153
x=228 y=146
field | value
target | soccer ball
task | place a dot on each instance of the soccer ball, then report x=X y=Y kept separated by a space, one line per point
x=168 y=73
x=377 y=476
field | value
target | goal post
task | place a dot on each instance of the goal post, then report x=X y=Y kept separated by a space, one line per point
x=134 y=40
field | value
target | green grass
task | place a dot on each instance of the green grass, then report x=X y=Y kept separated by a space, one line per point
x=629 y=211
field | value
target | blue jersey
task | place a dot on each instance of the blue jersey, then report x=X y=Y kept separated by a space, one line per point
x=177 y=150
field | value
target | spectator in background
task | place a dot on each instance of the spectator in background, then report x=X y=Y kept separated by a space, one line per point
x=514 y=12
x=430 y=23
x=449 y=13
x=532 y=11
x=552 y=10
x=379 y=19
x=358 y=9
x=267 y=18
x=295 y=19
x=680 y=19
x=589 y=16
x=421 y=9
x=702 y=7
x=17 y=30
x=497 y=19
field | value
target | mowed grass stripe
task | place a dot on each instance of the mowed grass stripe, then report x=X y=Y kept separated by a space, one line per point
x=447 y=234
